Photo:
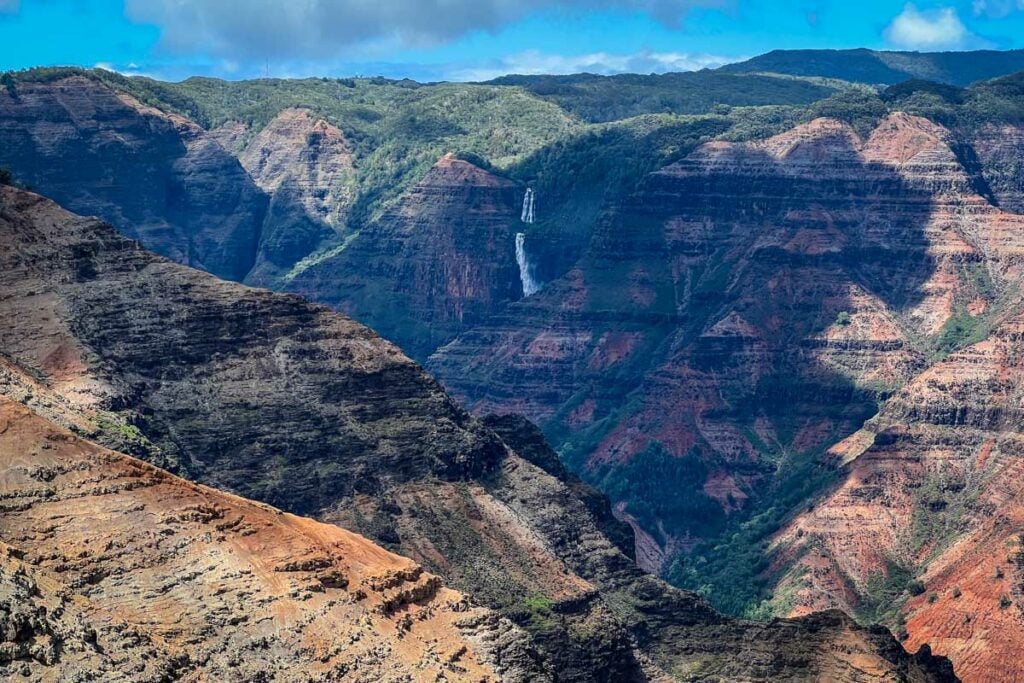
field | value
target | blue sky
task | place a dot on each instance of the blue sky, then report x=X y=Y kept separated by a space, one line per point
x=474 y=39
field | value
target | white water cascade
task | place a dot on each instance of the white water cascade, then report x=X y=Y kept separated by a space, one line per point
x=530 y=285
x=527 y=216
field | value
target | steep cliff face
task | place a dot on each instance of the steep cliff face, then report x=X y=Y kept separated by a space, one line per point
x=999 y=149
x=146 y=576
x=440 y=261
x=289 y=403
x=157 y=176
x=933 y=491
x=749 y=306
x=306 y=165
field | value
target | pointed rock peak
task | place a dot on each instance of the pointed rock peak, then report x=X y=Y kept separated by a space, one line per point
x=300 y=121
x=820 y=138
x=298 y=145
x=900 y=137
x=453 y=170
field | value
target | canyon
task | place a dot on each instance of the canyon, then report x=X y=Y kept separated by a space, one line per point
x=235 y=387
x=781 y=341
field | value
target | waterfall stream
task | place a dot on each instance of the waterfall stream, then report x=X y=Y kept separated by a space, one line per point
x=529 y=284
x=527 y=216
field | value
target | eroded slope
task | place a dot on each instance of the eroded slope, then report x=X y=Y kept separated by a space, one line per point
x=207 y=586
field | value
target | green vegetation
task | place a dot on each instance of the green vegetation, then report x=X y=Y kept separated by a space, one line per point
x=781 y=602
x=731 y=569
x=539 y=613
x=115 y=431
x=991 y=102
x=962 y=329
x=658 y=487
x=885 y=592
x=842 y=318
x=6 y=178
x=600 y=99
x=859 y=107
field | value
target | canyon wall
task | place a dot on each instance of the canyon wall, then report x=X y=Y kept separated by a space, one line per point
x=159 y=176
x=442 y=260
x=286 y=402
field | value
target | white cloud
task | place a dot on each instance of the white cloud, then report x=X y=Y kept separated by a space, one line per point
x=996 y=9
x=318 y=29
x=929 y=30
x=533 y=62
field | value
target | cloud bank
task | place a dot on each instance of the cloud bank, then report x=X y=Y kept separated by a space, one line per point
x=532 y=62
x=314 y=29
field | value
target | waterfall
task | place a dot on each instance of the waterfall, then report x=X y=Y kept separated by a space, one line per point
x=529 y=284
x=527 y=216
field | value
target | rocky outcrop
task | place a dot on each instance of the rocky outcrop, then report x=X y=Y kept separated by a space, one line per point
x=116 y=569
x=159 y=177
x=306 y=166
x=752 y=300
x=932 y=491
x=439 y=261
x=308 y=156
x=286 y=402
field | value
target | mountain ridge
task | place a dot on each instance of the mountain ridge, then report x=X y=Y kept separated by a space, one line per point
x=886 y=67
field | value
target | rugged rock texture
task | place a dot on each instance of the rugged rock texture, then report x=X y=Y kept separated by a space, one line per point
x=179 y=352
x=116 y=569
x=752 y=302
x=51 y=634
x=438 y=262
x=289 y=403
x=306 y=166
x=933 y=490
x=158 y=177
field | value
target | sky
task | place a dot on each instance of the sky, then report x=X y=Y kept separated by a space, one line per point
x=474 y=39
